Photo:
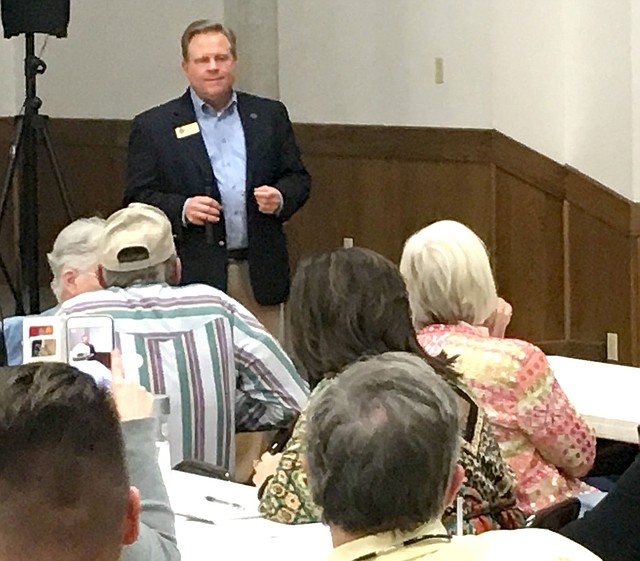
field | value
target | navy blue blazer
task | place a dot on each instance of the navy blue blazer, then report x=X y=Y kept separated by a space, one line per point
x=164 y=170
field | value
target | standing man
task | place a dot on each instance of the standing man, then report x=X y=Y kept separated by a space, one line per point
x=224 y=166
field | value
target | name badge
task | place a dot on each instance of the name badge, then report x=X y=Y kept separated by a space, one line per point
x=187 y=130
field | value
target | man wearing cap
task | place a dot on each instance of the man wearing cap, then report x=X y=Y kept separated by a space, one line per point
x=221 y=369
x=225 y=168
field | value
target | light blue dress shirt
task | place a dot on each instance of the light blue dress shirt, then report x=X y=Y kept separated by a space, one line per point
x=224 y=139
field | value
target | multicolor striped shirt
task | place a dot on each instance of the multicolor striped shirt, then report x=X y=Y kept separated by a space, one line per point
x=221 y=369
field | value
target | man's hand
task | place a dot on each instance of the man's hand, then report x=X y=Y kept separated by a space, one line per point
x=498 y=321
x=264 y=467
x=269 y=199
x=132 y=400
x=201 y=209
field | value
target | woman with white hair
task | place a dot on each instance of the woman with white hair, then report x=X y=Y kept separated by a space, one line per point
x=452 y=295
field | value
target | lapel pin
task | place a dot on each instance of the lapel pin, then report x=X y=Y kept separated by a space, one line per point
x=253 y=116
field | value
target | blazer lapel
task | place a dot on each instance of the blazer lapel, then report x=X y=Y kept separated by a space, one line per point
x=250 y=118
x=192 y=146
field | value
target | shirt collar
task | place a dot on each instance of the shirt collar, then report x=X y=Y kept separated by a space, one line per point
x=201 y=107
x=460 y=327
x=379 y=542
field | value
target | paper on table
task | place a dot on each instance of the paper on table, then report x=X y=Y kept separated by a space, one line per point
x=228 y=501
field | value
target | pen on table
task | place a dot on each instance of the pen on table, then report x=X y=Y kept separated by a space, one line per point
x=223 y=502
x=190 y=518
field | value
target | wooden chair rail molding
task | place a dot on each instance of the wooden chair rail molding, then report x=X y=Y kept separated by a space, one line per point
x=565 y=248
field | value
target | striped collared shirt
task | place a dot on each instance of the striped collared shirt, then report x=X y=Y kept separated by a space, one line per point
x=220 y=368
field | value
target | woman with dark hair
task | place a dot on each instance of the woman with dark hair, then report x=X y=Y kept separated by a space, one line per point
x=346 y=306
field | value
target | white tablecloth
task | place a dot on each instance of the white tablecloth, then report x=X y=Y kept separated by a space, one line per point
x=606 y=395
x=236 y=532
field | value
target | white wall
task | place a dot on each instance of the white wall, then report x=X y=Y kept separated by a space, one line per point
x=556 y=75
x=372 y=61
x=120 y=58
x=561 y=76
x=528 y=73
x=255 y=23
x=635 y=98
x=598 y=95
x=8 y=73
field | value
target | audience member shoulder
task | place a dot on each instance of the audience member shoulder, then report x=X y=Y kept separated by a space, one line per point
x=163 y=108
x=244 y=96
x=467 y=338
x=519 y=349
x=529 y=543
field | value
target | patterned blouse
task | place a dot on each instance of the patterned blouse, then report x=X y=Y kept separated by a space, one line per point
x=544 y=440
x=488 y=489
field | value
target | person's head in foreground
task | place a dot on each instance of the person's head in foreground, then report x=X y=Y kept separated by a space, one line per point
x=382 y=447
x=138 y=248
x=347 y=305
x=64 y=489
x=73 y=260
x=448 y=275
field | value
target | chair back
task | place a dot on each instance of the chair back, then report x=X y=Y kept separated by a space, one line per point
x=198 y=467
x=555 y=516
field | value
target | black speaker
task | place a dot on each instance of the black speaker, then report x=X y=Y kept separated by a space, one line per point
x=35 y=16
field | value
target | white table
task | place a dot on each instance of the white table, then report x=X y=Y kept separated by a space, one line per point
x=236 y=531
x=606 y=395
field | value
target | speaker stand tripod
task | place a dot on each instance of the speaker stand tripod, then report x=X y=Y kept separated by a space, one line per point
x=31 y=130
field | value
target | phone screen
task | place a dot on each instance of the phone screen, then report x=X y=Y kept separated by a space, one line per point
x=90 y=341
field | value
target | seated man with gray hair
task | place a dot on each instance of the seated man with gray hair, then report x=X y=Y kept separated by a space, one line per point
x=222 y=370
x=74 y=264
x=382 y=446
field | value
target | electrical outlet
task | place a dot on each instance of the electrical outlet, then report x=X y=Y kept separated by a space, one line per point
x=612 y=347
x=439 y=67
x=347 y=242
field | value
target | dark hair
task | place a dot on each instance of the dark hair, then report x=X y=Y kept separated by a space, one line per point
x=206 y=26
x=382 y=443
x=347 y=305
x=63 y=480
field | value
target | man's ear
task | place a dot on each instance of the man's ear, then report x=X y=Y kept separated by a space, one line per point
x=100 y=275
x=130 y=525
x=68 y=278
x=457 y=477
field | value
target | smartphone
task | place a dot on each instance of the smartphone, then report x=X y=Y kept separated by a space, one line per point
x=42 y=339
x=90 y=340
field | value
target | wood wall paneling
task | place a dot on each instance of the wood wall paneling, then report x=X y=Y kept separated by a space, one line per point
x=379 y=184
x=601 y=296
x=529 y=257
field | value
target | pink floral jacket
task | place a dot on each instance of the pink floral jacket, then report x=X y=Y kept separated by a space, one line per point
x=543 y=439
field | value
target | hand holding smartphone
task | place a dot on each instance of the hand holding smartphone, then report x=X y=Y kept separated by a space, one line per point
x=85 y=342
x=90 y=340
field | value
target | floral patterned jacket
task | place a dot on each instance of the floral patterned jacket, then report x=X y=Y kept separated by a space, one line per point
x=488 y=489
x=545 y=441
